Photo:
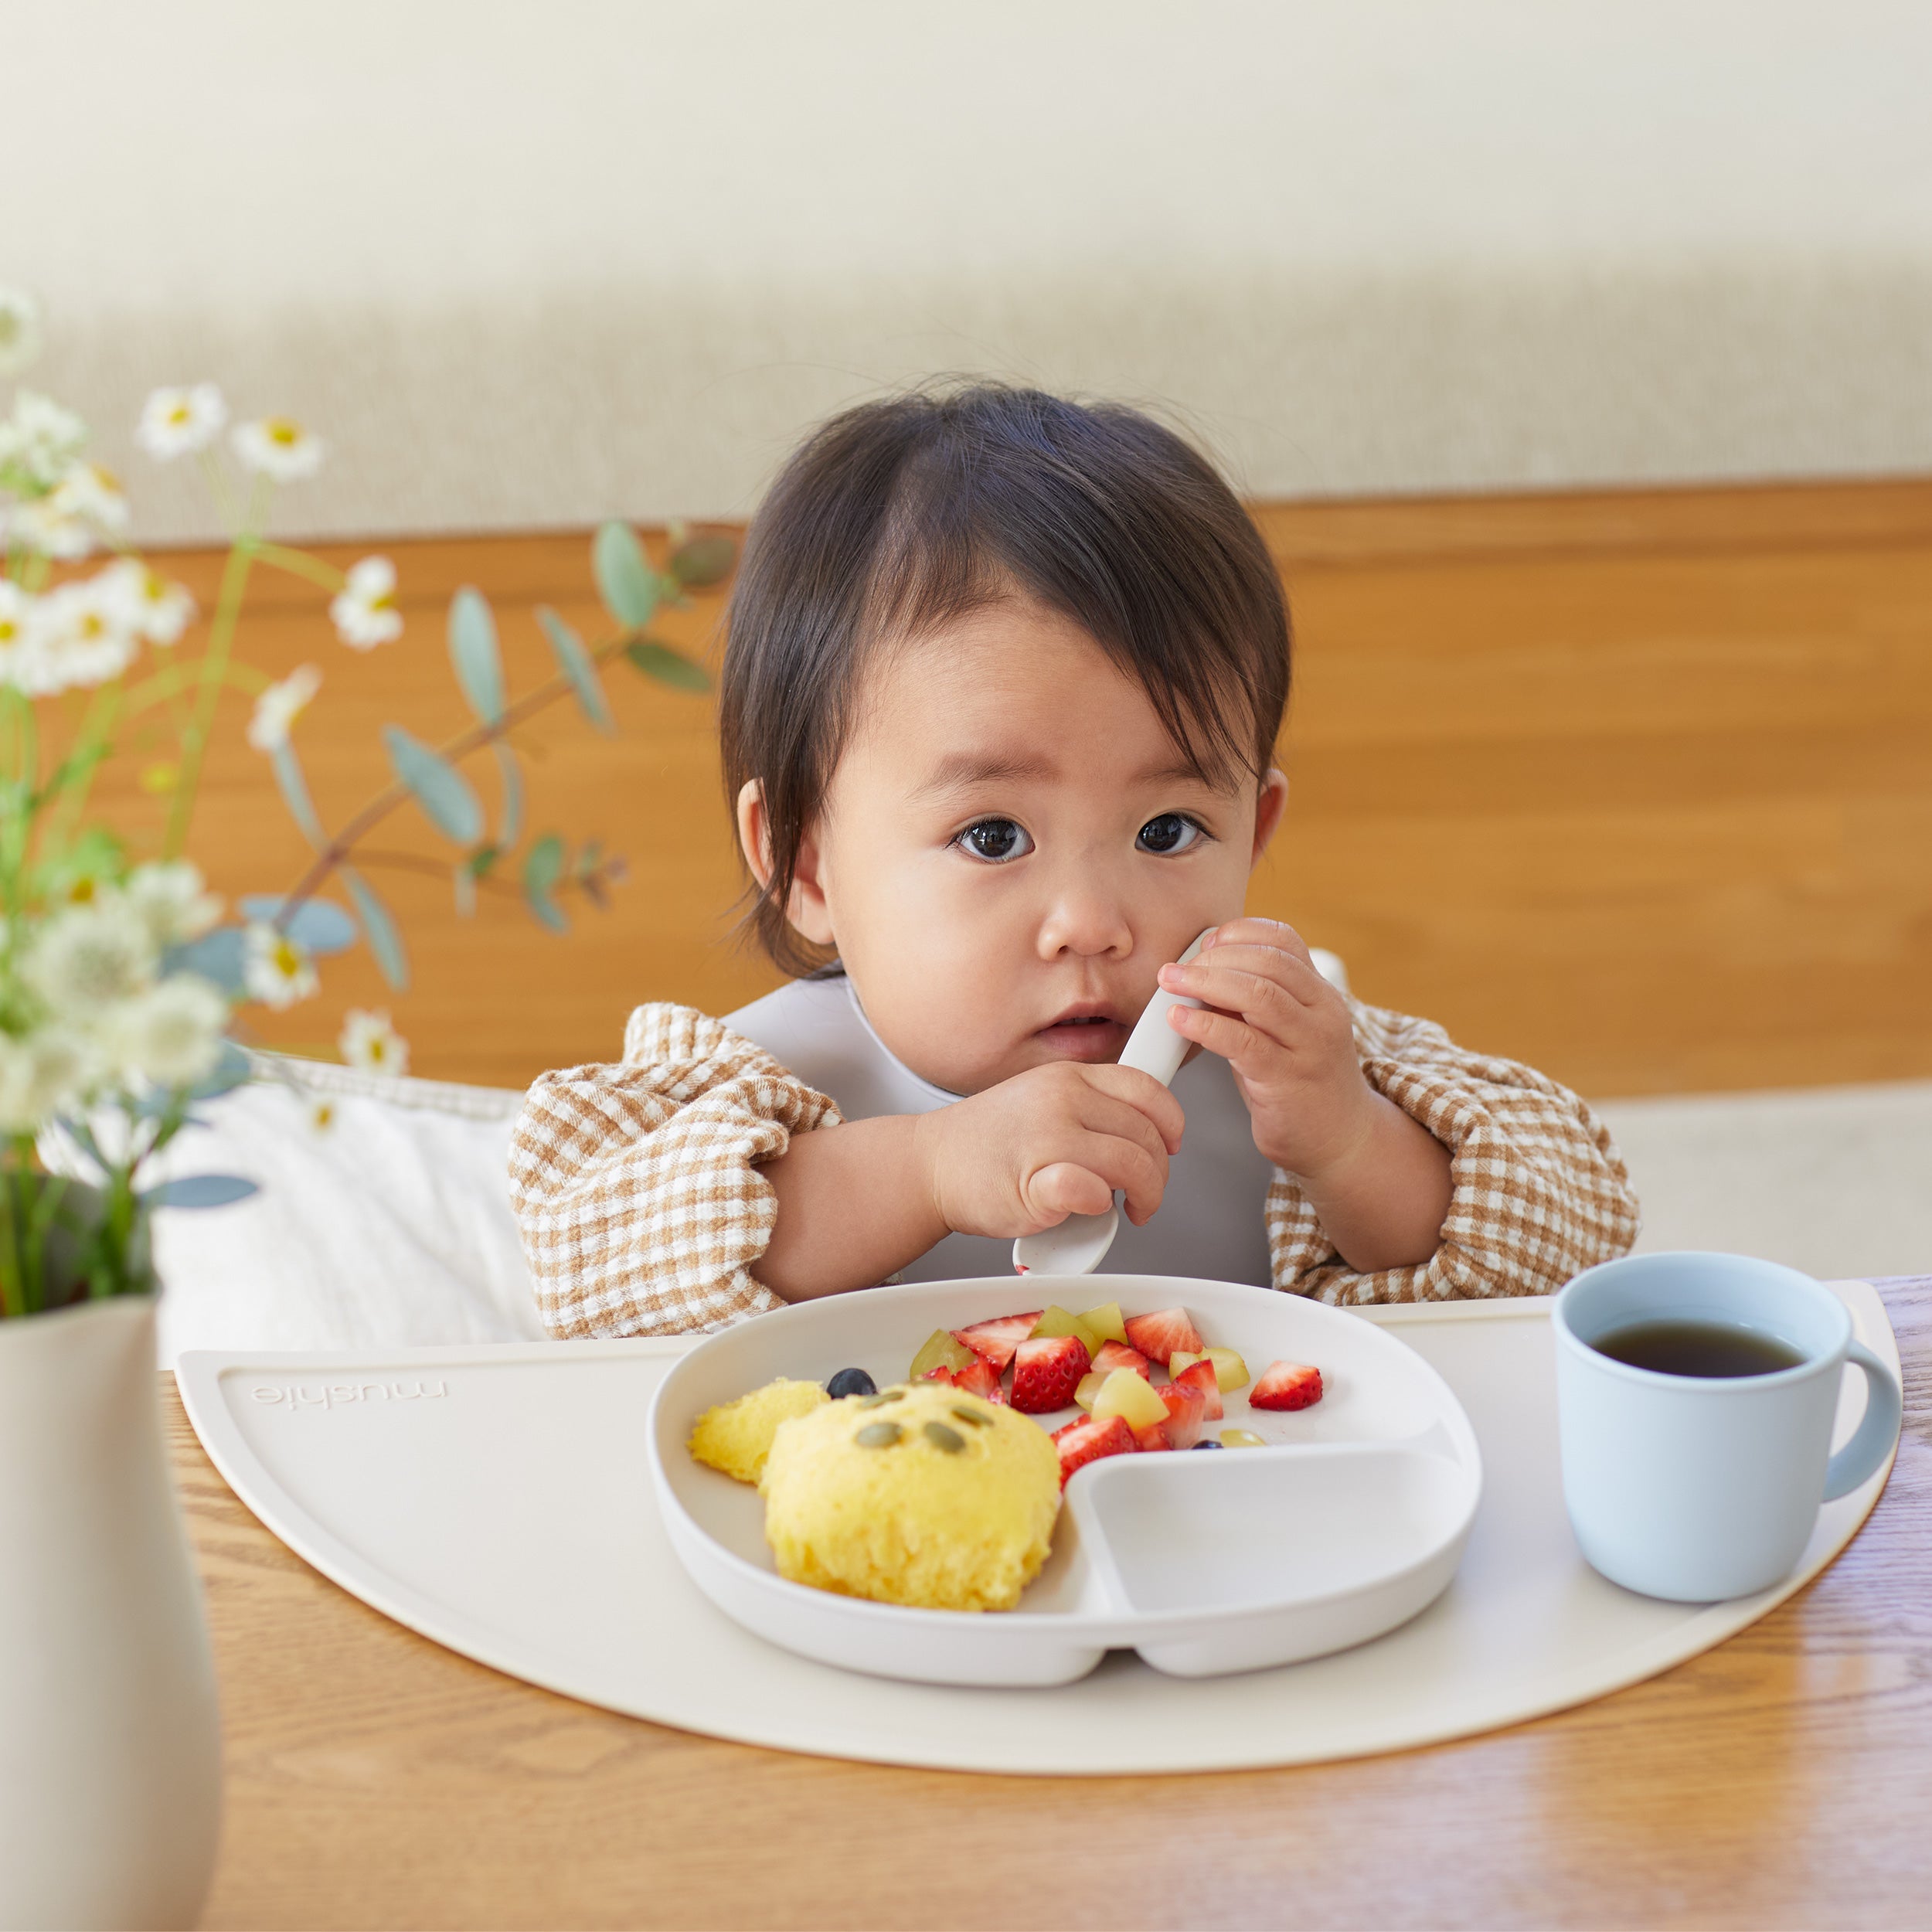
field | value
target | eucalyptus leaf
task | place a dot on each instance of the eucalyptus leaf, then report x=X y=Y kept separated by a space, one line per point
x=704 y=561
x=577 y=665
x=317 y=925
x=216 y=956
x=448 y=800
x=473 y=652
x=233 y=1068
x=626 y=581
x=294 y=790
x=670 y=667
x=200 y=1191
x=384 y=940
x=512 y=824
x=542 y=867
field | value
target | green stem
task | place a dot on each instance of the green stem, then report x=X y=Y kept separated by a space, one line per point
x=89 y=747
x=164 y=684
x=214 y=667
x=299 y=563
x=341 y=848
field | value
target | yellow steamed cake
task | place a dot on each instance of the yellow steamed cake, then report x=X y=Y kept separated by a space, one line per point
x=921 y=1495
x=736 y=1436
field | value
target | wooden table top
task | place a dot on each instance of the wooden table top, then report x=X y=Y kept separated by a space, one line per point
x=1783 y=1779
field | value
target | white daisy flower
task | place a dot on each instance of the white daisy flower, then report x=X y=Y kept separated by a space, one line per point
x=368 y=1041
x=177 y=422
x=74 y=637
x=275 y=969
x=68 y=521
x=169 y=895
x=40 y=441
x=364 y=610
x=50 y=1072
x=88 y=957
x=277 y=448
x=171 y=1035
x=19 y=330
x=16 y=618
x=280 y=706
x=147 y=603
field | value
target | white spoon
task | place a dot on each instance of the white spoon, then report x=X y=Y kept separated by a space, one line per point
x=1079 y=1244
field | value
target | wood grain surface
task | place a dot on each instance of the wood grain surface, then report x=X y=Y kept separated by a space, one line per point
x=1780 y=1780
x=1635 y=786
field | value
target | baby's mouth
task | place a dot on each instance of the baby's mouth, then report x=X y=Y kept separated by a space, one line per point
x=1090 y=1037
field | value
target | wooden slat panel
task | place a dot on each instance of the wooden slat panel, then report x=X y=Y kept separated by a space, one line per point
x=1636 y=786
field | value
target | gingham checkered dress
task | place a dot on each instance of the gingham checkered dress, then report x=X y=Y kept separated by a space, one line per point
x=643 y=1210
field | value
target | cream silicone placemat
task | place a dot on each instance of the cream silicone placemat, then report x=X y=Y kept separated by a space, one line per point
x=497 y=1500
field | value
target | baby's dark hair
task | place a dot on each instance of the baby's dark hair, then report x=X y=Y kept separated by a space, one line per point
x=899 y=516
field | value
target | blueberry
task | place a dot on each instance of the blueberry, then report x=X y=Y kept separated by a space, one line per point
x=1207 y=1442
x=851 y=1381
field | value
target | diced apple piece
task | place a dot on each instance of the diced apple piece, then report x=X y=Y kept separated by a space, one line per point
x=1106 y=1322
x=1058 y=1321
x=1229 y=1370
x=1089 y=1388
x=1242 y=1439
x=940 y=1351
x=1125 y=1394
x=1180 y=1362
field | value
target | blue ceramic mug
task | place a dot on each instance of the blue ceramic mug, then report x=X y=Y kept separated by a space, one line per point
x=1696 y=1488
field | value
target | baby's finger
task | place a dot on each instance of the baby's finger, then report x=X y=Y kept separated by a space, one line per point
x=1258 y=997
x=1146 y=1094
x=1141 y=1176
x=1065 y=1187
x=1240 y=1044
x=1275 y=932
x=1102 y=1113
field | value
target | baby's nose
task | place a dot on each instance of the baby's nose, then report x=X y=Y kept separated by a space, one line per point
x=1088 y=923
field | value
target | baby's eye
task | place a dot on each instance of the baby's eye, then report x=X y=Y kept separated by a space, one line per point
x=995 y=840
x=1168 y=834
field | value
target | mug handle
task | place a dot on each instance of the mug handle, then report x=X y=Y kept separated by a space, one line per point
x=1858 y=1460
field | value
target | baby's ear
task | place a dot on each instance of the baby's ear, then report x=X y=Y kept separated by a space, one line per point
x=805 y=905
x=754 y=830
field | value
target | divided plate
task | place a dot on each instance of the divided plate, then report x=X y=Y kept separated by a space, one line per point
x=1351 y=1522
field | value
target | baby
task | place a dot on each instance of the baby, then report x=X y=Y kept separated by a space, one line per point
x=1004 y=678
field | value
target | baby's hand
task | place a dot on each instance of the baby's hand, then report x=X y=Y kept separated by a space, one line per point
x=1052 y=1141
x=1286 y=1033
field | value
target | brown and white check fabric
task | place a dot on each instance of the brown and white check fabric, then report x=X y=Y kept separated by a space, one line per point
x=639 y=1195
x=1540 y=1192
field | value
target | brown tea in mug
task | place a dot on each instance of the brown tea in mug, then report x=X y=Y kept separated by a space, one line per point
x=1676 y=1347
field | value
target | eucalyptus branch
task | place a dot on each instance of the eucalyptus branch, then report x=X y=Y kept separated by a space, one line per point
x=418 y=861
x=341 y=845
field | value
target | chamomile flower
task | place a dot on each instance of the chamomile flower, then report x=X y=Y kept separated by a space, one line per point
x=369 y=1041
x=280 y=706
x=49 y=1072
x=275 y=969
x=16 y=613
x=178 y=422
x=171 y=1035
x=149 y=603
x=277 y=448
x=88 y=957
x=364 y=609
x=70 y=520
x=19 y=330
x=75 y=638
x=170 y=895
x=39 y=442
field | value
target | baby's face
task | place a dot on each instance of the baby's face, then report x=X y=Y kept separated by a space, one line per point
x=1011 y=847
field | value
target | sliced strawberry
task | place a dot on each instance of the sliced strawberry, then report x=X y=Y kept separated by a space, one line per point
x=1086 y=1440
x=1157 y=1336
x=1286 y=1384
x=1117 y=1354
x=1047 y=1371
x=1154 y=1437
x=996 y=1340
x=942 y=1373
x=1185 y=1406
x=981 y=1378
x=1200 y=1376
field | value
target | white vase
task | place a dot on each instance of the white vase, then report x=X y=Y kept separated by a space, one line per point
x=110 y=1738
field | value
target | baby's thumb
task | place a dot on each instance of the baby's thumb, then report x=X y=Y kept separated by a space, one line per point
x=1063 y=1189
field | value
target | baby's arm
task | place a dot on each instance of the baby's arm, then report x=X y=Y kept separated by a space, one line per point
x=1379 y=1181
x=856 y=1201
